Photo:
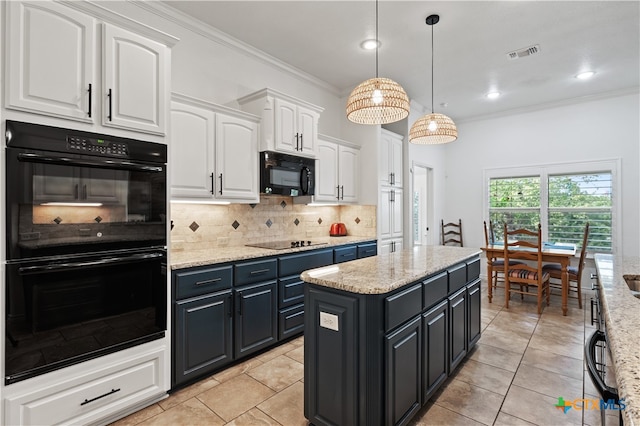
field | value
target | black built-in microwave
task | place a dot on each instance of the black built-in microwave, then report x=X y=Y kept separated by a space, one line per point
x=285 y=174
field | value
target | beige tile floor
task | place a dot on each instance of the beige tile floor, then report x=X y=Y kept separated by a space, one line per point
x=521 y=365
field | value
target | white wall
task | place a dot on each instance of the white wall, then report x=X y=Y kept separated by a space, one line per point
x=595 y=130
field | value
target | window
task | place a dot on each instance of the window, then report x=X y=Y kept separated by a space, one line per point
x=562 y=198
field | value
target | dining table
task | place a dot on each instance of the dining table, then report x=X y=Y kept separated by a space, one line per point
x=558 y=252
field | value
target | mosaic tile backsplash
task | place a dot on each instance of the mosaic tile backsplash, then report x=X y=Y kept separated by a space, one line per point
x=205 y=226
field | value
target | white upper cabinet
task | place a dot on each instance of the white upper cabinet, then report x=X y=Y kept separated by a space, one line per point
x=390 y=164
x=214 y=152
x=55 y=68
x=236 y=158
x=191 y=150
x=337 y=171
x=51 y=61
x=288 y=124
x=135 y=82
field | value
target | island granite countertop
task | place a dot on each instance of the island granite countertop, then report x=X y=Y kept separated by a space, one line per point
x=386 y=272
x=181 y=259
x=622 y=321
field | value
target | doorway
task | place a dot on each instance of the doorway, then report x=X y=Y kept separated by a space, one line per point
x=422 y=205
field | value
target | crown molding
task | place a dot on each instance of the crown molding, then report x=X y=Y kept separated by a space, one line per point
x=188 y=22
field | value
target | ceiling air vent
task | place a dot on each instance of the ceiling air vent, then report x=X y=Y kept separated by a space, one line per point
x=527 y=51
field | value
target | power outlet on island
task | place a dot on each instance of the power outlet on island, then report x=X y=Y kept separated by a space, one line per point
x=329 y=321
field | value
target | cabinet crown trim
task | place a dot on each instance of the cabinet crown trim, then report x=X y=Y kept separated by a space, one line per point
x=274 y=93
x=341 y=142
x=111 y=17
x=179 y=97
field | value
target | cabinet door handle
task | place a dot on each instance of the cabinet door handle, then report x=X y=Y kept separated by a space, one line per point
x=301 y=143
x=213 y=184
x=211 y=281
x=342 y=198
x=391 y=178
x=393 y=196
x=260 y=271
x=110 y=116
x=220 y=184
x=86 y=401
x=228 y=307
x=338 y=188
x=240 y=303
x=76 y=192
x=84 y=192
x=89 y=111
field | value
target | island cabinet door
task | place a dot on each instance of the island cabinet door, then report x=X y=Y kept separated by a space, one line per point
x=473 y=314
x=435 y=345
x=403 y=350
x=256 y=317
x=203 y=335
x=457 y=328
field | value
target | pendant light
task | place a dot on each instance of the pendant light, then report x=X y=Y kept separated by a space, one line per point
x=433 y=128
x=377 y=100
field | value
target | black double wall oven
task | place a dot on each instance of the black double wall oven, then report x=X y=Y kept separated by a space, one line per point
x=86 y=246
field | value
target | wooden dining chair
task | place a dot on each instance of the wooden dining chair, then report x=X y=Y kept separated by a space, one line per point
x=575 y=273
x=524 y=245
x=497 y=265
x=451 y=233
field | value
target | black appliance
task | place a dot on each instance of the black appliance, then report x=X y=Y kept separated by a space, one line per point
x=285 y=174
x=86 y=246
x=595 y=352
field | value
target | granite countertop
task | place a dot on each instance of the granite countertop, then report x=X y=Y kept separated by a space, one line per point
x=622 y=321
x=191 y=258
x=386 y=272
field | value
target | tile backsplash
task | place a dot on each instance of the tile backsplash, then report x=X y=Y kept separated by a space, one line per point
x=204 y=226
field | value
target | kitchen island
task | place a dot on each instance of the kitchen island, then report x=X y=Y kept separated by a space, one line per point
x=382 y=334
x=622 y=316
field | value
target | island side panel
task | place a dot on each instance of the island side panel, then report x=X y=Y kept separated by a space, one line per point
x=331 y=348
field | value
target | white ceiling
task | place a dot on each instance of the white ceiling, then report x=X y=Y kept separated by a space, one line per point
x=471 y=42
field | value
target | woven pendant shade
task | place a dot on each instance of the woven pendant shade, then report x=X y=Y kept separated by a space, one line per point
x=425 y=132
x=377 y=101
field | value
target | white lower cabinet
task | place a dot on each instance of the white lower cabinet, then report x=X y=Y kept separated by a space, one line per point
x=90 y=397
x=214 y=152
x=390 y=246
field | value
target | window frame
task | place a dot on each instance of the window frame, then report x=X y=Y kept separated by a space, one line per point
x=612 y=166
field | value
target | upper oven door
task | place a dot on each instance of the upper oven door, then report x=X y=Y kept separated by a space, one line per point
x=62 y=203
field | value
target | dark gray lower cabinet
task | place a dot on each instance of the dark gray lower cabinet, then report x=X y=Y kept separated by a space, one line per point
x=458 y=326
x=403 y=350
x=256 y=317
x=435 y=343
x=203 y=337
x=473 y=313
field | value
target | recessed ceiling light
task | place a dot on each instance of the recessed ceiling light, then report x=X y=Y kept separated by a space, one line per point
x=493 y=95
x=370 y=44
x=585 y=75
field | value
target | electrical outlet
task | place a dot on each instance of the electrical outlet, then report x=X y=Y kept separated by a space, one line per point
x=309 y=234
x=329 y=321
x=223 y=241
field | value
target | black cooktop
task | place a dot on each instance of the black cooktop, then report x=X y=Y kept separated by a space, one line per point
x=285 y=244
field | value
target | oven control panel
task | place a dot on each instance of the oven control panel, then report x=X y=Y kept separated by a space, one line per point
x=97 y=146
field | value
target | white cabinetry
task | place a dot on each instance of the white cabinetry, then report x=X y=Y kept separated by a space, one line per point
x=55 y=69
x=214 y=152
x=89 y=397
x=289 y=125
x=337 y=170
x=391 y=194
x=390 y=163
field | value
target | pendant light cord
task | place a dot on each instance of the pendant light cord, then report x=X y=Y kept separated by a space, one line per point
x=377 y=41
x=432 y=69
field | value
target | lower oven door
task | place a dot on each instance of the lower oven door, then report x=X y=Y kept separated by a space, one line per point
x=80 y=307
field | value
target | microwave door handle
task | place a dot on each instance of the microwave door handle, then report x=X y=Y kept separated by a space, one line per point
x=102 y=164
x=305 y=180
x=25 y=270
